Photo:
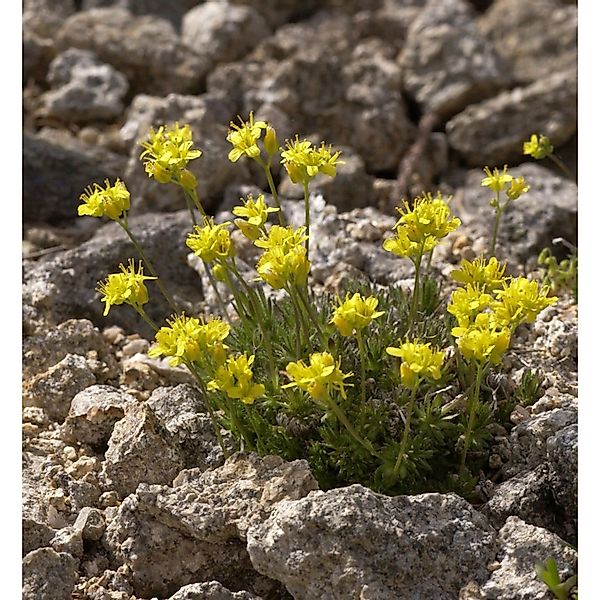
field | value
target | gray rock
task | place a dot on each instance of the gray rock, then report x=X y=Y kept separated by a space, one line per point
x=221 y=32
x=208 y=116
x=69 y=540
x=139 y=451
x=90 y=524
x=210 y=590
x=93 y=415
x=548 y=210
x=54 y=389
x=521 y=547
x=536 y=38
x=447 y=64
x=48 y=575
x=351 y=542
x=37 y=54
x=63 y=286
x=56 y=173
x=75 y=337
x=278 y=12
x=169 y=537
x=84 y=88
x=562 y=455
x=45 y=17
x=529 y=439
x=492 y=132
x=182 y=411
x=146 y=49
x=172 y=11
x=527 y=496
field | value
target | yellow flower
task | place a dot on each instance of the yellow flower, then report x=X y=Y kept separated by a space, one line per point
x=167 y=153
x=279 y=266
x=111 y=201
x=402 y=244
x=466 y=303
x=517 y=187
x=190 y=339
x=355 y=313
x=520 y=301
x=484 y=340
x=282 y=237
x=319 y=378
x=235 y=378
x=211 y=242
x=538 y=147
x=486 y=274
x=303 y=161
x=496 y=181
x=419 y=360
x=244 y=138
x=126 y=287
x=256 y=213
x=429 y=217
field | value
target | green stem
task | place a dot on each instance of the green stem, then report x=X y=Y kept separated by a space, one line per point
x=415 y=297
x=211 y=413
x=148 y=264
x=146 y=318
x=306 y=215
x=363 y=359
x=473 y=404
x=213 y=283
x=429 y=262
x=299 y=313
x=341 y=415
x=259 y=319
x=310 y=309
x=193 y=195
x=404 y=443
x=240 y=427
x=562 y=166
x=244 y=312
x=499 y=211
x=267 y=169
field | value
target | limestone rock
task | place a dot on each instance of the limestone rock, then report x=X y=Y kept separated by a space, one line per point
x=139 y=451
x=54 y=389
x=210 y=590
x=537 y=38
x=93 y=415
x=222 y=32
x=146 y=49
x=447 y=64
x=492 y=132
x=171 y=536
x=521 y=547
x=351 y=542
x=48 y=575
x=84 y=88
x=90 y=523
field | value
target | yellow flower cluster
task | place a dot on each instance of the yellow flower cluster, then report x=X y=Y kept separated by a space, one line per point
x=126 y=287
x=110 y=201
x=235 y=378
x=538 y=147
x=419 y=361
x=244 y=138
x=303 y=161
x=285 y=259
x=499 y=181
x=187 y=339
x=355 y=313
x=490 y=307
x=211 y=242
x=319 y=378
x=421 y=227
x=255 y=213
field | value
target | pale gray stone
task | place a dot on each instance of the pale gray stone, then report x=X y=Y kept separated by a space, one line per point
x=351 y=542
x=49 y=575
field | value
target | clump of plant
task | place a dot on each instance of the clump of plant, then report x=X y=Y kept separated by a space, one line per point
x=381 y=386
x=548 y=573
x=559 y=276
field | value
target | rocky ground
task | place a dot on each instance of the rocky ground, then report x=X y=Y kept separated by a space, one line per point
x=126 y=493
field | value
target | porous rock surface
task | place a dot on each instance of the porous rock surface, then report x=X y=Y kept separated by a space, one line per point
x=170 y=536
x=353 y=543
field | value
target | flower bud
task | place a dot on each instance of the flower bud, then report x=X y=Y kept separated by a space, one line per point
x=271 y=142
